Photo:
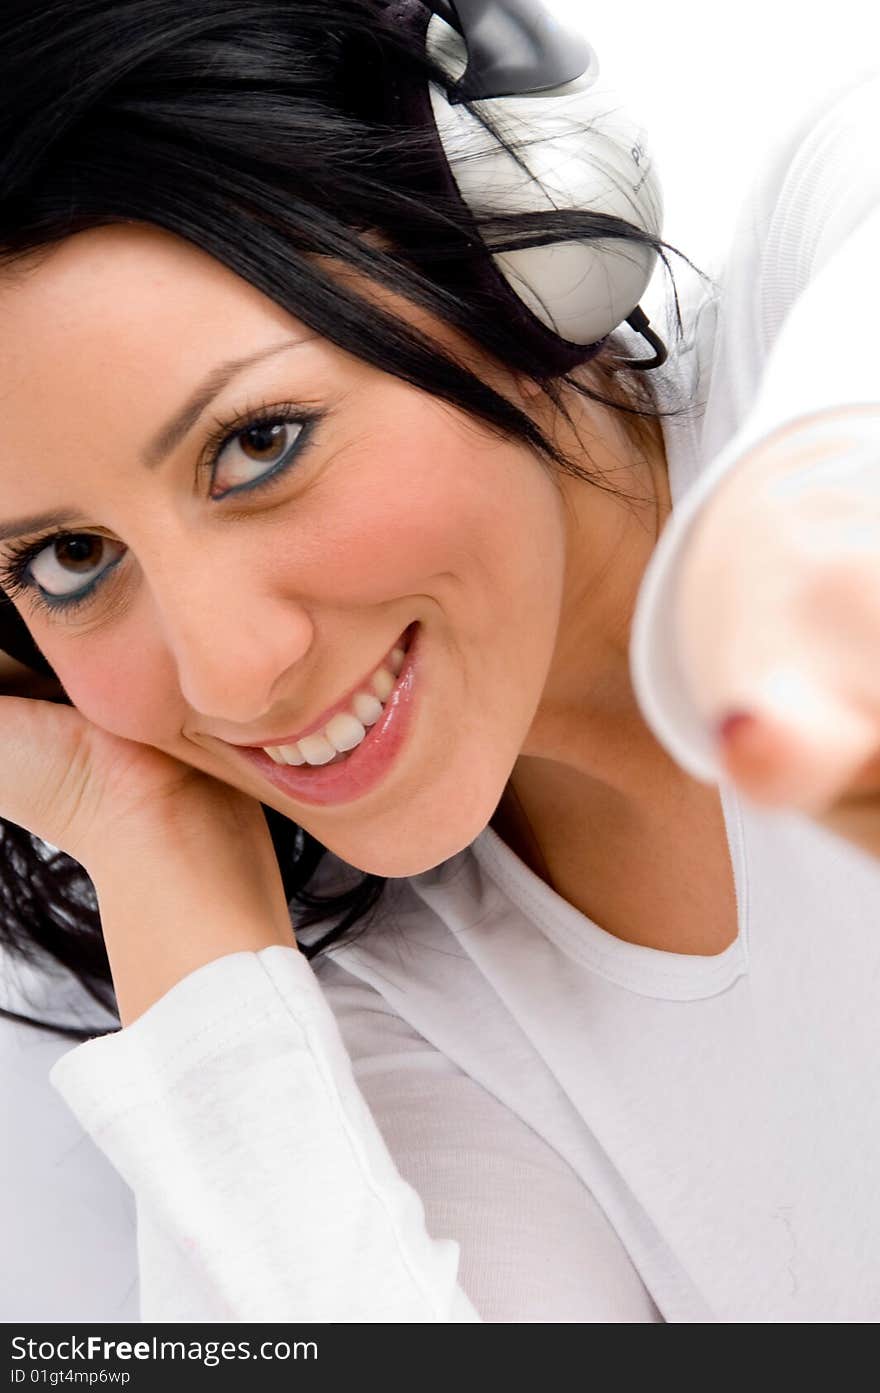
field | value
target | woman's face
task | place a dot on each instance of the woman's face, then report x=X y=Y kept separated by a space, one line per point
x=223 y=615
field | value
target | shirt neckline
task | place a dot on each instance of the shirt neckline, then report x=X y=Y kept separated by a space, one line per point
x=633 y=966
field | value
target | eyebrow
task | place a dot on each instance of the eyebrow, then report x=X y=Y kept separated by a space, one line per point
x=167 y=437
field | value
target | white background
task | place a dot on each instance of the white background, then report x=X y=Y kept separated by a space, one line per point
x=714 y=88
x=716 y=85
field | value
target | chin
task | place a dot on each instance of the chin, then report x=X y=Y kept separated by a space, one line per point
x=395 y=855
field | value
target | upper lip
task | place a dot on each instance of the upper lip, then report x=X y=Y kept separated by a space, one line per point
x=320 y=721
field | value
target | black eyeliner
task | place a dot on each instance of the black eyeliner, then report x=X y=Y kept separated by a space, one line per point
x=13 y=569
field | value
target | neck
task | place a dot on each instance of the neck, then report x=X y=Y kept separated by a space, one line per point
x=589 y=751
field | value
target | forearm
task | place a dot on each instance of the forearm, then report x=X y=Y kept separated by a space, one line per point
x=265 y=1190
x=178 y=896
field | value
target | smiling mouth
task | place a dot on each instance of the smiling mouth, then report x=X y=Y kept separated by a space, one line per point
x=361 y=706
x=322 y=776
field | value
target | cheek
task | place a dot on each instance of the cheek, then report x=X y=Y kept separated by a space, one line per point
x=432 y=500
x=126 y=697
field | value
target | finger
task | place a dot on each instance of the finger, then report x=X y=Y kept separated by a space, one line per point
x=801 y=746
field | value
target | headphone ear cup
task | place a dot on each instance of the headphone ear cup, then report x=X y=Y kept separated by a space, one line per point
x=586 y=151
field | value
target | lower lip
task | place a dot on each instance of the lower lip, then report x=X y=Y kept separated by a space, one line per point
x=324 y=785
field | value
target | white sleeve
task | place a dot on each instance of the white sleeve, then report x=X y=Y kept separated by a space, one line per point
x=264 y=1190
x=261 y=1164
x=803 y=316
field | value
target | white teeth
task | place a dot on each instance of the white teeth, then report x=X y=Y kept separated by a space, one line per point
x=317 y=749
x=274 y=752
x=395 y=662
x=344 y=731
x=291 y=754
x=367 y=708
x=383 y=683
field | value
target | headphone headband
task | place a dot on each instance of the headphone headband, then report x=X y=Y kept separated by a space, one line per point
x=410 y=107
x=514 y=47
x=565 y=298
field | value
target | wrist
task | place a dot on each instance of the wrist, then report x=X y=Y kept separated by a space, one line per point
x=170 y=903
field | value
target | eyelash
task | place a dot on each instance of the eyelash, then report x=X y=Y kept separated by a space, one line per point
x=13 y=570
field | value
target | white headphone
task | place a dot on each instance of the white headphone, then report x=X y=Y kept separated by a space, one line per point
x=539 y=82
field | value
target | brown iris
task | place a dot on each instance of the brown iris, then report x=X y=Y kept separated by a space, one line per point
x=263 y=442
x=78 y=551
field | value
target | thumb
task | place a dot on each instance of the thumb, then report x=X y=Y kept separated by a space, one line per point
x=792 y=741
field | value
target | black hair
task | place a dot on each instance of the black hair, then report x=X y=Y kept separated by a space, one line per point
x=261 y=132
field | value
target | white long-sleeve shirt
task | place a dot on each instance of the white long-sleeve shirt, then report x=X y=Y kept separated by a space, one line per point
x=488 y=1107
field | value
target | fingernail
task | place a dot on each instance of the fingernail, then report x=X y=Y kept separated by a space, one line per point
x=733 y=724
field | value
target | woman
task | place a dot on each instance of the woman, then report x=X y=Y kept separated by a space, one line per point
x=594 y=1056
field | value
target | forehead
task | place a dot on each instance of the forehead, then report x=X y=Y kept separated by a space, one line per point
x=122 y=299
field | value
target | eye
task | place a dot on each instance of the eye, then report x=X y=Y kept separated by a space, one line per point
x=242 y=460
x=71 y=562
x=254 y=451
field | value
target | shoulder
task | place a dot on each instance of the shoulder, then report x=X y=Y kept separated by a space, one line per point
x=819 y=188
x=818 y=180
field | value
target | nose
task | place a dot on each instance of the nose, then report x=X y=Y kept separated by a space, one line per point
x=232 y=643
